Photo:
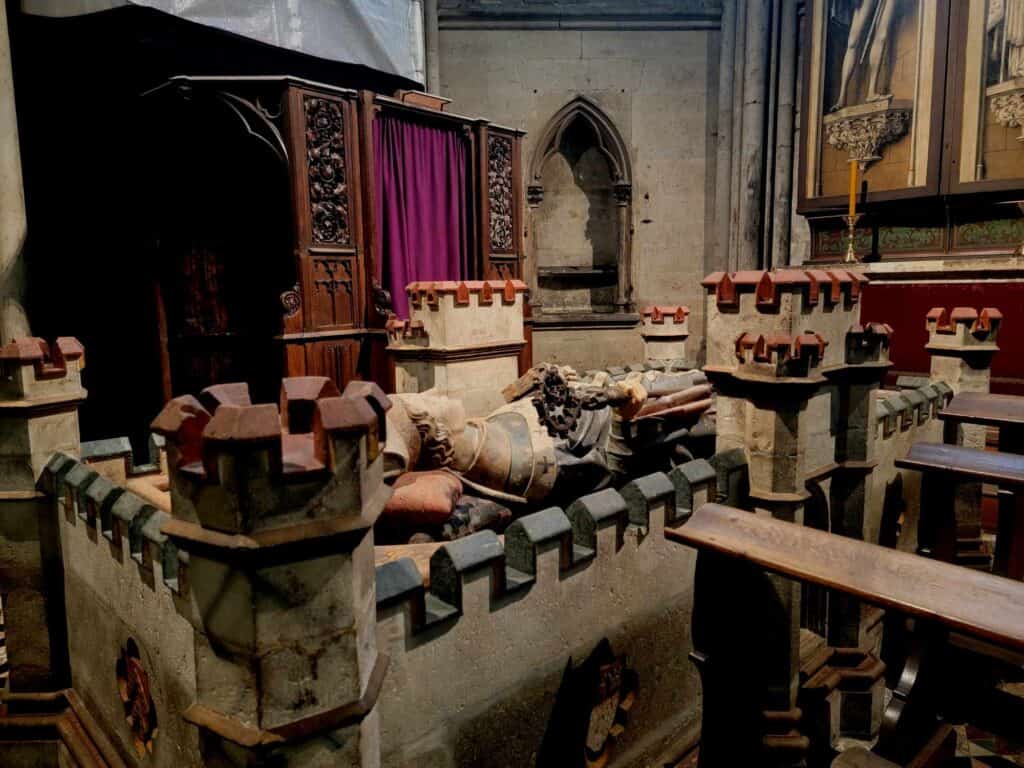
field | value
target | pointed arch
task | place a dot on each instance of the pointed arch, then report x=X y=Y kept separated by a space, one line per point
x=609 y=144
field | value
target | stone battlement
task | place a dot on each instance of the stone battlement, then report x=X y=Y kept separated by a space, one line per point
x=479 y=574
x=460 y=338
x=665 y=330
x=452 y=316
x=785 y=302
x=434 y=294
x=899 y=411
x=130 y=526
x=32 y=368
x=665 y=315
x=779 y=354
x=963 y=328
x=251 y=469
x=816 y=285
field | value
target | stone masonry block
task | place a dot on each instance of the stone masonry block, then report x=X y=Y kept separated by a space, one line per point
x=597 y=511
x=396 y=581
x=532 y=534
x=696 y=484
x=459 y=560
x=651 y=501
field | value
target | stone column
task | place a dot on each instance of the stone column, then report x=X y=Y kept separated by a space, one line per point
x=962 y=343
x=624 y=286
x=13 y=225
x=719 y=257
x=431 y=47
x=751 y=158
x=276 y=512
x=40 y=391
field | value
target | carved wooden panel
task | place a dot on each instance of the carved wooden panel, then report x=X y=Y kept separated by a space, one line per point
x=500 y=194
x=326 y=168
x=333 y=287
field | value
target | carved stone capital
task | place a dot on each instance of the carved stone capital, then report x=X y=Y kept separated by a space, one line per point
x=623 y=194
x=862 y=130
x=1007 y=104
x=534 y=194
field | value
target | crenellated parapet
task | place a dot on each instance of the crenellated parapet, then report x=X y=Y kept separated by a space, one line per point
x=458 y=313
x=963 y=330
x=766 y=289
x=130 y=526
x=461 y=338
x=32 y=368
x=899 y=411
x=869 y=343
x=779 y=355
x=790 y=302
x=40 y=390
x=473 y=576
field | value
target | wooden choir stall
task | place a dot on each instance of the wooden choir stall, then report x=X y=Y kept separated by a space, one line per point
x=341 y=198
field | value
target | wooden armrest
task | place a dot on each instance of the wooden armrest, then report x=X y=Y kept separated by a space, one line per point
x=987 y=466
x=974 y=603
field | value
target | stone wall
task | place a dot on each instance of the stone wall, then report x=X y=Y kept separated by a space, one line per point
x=900 y=420
x=490 y=666
x=655 y=86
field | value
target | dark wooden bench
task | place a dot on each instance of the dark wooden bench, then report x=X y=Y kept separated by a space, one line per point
x=954 y=609
x=943 y=466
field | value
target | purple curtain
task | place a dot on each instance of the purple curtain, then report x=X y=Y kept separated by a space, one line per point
x=422 y=204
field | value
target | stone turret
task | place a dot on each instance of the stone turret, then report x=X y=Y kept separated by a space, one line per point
x=461 y=339
x=794 y=369
x=275 y=509
x=665 y=330
x=40 y=391
x=962 y=343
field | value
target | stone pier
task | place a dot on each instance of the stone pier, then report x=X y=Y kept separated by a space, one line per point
x=794 y=369
x=40 y=391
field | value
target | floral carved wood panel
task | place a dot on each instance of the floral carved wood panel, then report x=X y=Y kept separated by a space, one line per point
x=499 y=193
x=326 y=164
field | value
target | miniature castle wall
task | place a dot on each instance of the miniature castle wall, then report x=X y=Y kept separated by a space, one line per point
x=478 y=659
x=124 y=579
x=461 y=340
x=475 y=661
x=900 y=420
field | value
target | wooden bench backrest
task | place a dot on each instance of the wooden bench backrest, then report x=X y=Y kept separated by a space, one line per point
x=974 y=603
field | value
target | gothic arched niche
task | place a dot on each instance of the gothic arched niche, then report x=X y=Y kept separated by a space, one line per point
x=580 y=197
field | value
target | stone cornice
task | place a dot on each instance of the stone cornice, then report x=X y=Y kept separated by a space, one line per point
x=606 y=14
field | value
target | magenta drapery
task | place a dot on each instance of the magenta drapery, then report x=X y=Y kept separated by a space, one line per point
x=422 y=204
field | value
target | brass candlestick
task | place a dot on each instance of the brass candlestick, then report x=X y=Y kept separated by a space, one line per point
x=851 y=225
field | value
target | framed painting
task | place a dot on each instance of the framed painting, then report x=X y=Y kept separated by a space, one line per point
x=873 y=95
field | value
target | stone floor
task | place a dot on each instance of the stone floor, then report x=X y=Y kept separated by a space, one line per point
x=975 y=749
